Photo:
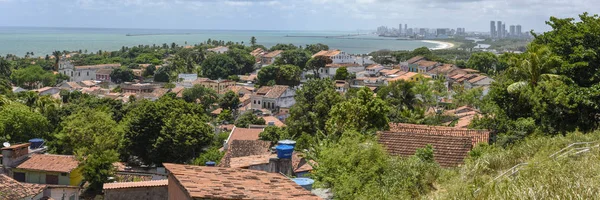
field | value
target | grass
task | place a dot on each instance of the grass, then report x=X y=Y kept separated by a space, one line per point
x=571 y=177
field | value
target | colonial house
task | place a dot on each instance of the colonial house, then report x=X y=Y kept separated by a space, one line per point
x=330 y=69
x=70 y=86
x=49 y=169
x=336 y=56
x=273 y=97
x=444 y=71
x=81 y=73
x=104 y=75
x=424 y=66
x=138 y=88
x=269 y=58
x=374 y=69
x=219 y=49
x=409 y=65
x=220 y=86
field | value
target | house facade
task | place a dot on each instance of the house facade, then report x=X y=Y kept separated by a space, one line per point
x=49 y=169
x=269 y=58
x=273 y=97
x=81 y=73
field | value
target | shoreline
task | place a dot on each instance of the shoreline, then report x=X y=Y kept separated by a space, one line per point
x=441 y=44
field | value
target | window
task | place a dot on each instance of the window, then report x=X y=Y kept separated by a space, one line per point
x=71 y=73
x=19 y=176
x=88 y=73
x=254 y=101
x=51 y=179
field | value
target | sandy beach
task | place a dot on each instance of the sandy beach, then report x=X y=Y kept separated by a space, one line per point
x=441 y=45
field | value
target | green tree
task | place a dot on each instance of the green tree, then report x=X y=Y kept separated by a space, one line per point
x=32 y=76
x=538 y=64
x=341 y=74
x=218 y=66
x=229 y=101
x=364 y=113
x=288 y=75
x=154 y=128
x=248 y=118
x=314 y=48
x=121 y=75
x=267 y=74
x=317 y=63
x=284 y=47
x=198 y=93
x=149 y=71
x=162 y=75
x=314 y=100
x=98 y=167
x=297 y=57
x=244 y=61
x=483 y=61
x=225 y=115
x=18 y=123
x=86 y=129
x=253 y=41
x=273 y=134
x=57 y=56
x=212 y=154
x=5 y=68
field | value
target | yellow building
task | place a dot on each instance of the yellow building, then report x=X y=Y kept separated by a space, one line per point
x=220 y=86
x=408 y=76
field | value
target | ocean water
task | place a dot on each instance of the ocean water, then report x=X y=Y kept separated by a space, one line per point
x=42 y=41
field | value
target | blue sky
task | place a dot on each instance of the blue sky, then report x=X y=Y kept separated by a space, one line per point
x=474 y=15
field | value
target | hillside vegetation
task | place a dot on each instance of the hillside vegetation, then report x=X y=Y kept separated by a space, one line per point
x=566 y=177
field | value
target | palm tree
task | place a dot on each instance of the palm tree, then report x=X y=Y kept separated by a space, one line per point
x=538 y=64
x=56 y=55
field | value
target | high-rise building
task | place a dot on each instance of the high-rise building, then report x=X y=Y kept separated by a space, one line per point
x=513 y=31
x=519 y=30
x=493 y=29
x=400 y=29
x=503 y=30
x=405 y=28
x=499 y=29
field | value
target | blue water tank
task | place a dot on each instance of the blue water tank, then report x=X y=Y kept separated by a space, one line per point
x=306 y=183
x=284 y=151
x=287 y=142
x=36 y=143
x=210 y=163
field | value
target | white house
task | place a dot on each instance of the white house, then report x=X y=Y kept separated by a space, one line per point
x=330 y=69
x=273 y=97
x=374 y=69
x=219 y=49
x=269 y=58
x=336 y=56
x=81 y=73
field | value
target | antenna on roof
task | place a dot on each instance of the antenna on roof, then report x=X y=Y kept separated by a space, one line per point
x=6 y=144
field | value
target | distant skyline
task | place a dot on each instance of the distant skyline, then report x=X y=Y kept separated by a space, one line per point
x=344 y=15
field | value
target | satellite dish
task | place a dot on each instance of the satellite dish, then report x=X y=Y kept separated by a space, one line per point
x=6 y=144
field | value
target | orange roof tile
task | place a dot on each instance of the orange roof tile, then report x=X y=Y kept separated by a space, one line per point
x=242 y=148
x=448 y=151
x=426 y=63
x=277 y=122
x=273 y=54
x=478 y=78
x=12 y=189
x=476 y=136
x=272 y=91
x=232 y=183
x=415 y=59
x=100 y=66
x=154 y=183
x=327 y=53
x=50 y=163
x=244 y=133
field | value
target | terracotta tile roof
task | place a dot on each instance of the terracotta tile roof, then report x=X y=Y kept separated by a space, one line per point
x=426 y=63
x=443 y=69
x=244 y=133
x=154 y=183
x=43 y=89
x=246 y=78
x=273 y=54
x=449 y=151
x=327 y=53
x=16 y=146
x=476 y=79
x=226 y=127
x=256 y=52
x=272 y=91
x=476 y=136
x=88 y=83
x=12 y=189
x=237 y=89
x=230 y=183
x=277 y=122
x=373 y=66
x=242 y=148
x=406 y=76
x=73 y=85
x=101 y=66
x=389 y=71
x=217 y=111
x=415 y=59
x=299 y=163
x=471 y=70
x=104 y=71
x=50 y=163
x=338 y=65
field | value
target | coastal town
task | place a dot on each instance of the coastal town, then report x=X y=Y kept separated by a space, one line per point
x=503 y=114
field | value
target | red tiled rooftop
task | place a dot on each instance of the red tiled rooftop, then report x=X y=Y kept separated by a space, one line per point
x=327 y=53
x=12 y=189
x=242 y=148
x=100 y=66
x=231 y=183
x=50 y=163
x=154 y=183
x=448 y=151
x=476 y=136
x=414 y=59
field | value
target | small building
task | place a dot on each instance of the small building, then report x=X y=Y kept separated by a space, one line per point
x=406 y=76
x=81 y=73
x=337 y=56
x=104 y=75
x=374 y=69
x=273 y=97
x=149 y=190
x=49 y=169
x=251 y=78
x=219 y=49
x=409 y=65
x=138 y=88
x=477 y=136
x=269 y=58
x=341 y=86
x=220 y=86
x=424 y=66
x=70 y=86
x=47 y=91
x=238 y=133
x=188 y=182
x=330 y=70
